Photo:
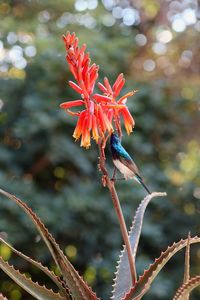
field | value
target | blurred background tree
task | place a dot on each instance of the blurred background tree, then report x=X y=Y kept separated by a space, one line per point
x=156 y=45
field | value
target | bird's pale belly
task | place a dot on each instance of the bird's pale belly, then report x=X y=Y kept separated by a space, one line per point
x=123 y=169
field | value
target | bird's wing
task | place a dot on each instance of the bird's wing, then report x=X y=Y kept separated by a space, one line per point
x=129 y=163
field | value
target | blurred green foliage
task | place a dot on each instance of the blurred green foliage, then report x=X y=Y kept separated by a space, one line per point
x=41 y=163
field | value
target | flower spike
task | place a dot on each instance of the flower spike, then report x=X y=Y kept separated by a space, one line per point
x=99 y=110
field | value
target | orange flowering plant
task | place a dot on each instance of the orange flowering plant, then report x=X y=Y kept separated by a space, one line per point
x=99 y=110
x=101 y=114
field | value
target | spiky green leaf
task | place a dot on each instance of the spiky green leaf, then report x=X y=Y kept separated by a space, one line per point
x=78 y=288
x=33 y=288
x=122 y=281
x=187 y=287
x=44 y=269
x=145 y=281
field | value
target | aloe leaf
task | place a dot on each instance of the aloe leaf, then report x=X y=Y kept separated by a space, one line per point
x=78 y=288
x=144 y=283
x=122 y=281
x=50 y=274
x=187 y=287
x=2 y=297
x=187 y=265
x=33 y=288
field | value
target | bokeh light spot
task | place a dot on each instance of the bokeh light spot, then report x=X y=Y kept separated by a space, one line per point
x=178 y=24
x=130 y=16
x=117 y=12
x=92 y=4
x=2 y=54
x=108 y=20
x=105 y=274
x=16 y=73
x=5 y=252
x=189 y=16
x=4 y=8
x=81 y=5
x=188 y=93
x=15 y=54
x=151 y=8
x=90 y=275
x=189 y=208
x=71 y=251
x=25 y=38
x=59 y=172
x=12 y=38
x=149 y=65
x=164 y=36
x=15 y=295
x=44 y=16
x=30 y=51
x=140 y=39
x=187 y=53
x=175 y=176
x=159 y=48
x=109 y=4
x=20 y=64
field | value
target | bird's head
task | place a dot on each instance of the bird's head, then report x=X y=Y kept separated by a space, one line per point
x=114 y=139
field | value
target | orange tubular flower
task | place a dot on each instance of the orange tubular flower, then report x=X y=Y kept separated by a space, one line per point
x=95 y=120
x=90 y=121
x=116 y=108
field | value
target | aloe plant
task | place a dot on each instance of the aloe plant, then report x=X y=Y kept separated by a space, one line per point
x=71 y=285
x=99 y=119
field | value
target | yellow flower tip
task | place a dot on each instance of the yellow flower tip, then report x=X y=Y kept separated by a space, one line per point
x=85 y=141
x=129 y=129
x=95 y=138
x=86 y=146
x=76 y=136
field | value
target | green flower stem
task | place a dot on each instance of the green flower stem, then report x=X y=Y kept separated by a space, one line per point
x=106 y=181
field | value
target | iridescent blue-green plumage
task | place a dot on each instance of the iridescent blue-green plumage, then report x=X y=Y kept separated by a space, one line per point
x=123 y=161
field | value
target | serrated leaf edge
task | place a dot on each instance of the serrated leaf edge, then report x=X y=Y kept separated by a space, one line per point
x=187 y=287
x=142 y=207
x=39 y=265
x=149 y=274
x=84 y=290
x=19 y=278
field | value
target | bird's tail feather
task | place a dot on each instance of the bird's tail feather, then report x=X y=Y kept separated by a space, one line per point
x=145 y=187
x=140 y=180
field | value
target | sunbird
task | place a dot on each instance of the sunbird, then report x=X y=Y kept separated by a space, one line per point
x=123 y=162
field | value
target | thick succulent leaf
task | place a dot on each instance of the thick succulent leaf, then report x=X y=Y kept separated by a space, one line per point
x=33 y=288
x=122 y=281
x=50 y=274
x=187 y=265
x=145 y=281
x=187 y=260
x=2 y=297
x=186 y=288
x=78 y=288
